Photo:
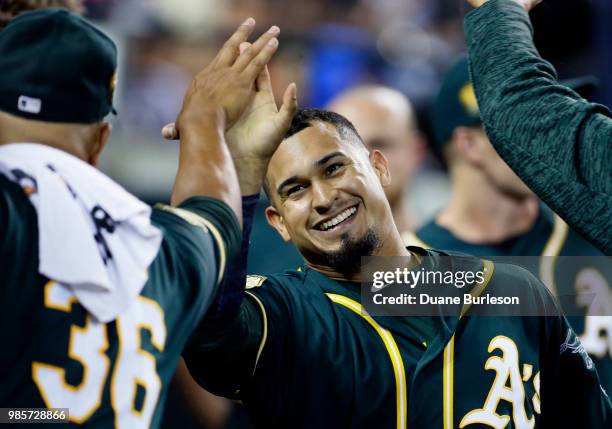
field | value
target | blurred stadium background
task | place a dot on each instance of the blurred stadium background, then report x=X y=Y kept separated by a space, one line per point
x=326 y=46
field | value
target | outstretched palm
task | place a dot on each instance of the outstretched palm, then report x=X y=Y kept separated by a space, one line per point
x=255 y=135
x=262 y=126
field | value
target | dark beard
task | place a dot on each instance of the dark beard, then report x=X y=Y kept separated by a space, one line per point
x=347 y=259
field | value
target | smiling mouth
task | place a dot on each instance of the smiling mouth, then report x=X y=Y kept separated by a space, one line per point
x=339 y=219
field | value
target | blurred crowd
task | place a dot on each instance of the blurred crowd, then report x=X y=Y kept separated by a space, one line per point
x=326 y=47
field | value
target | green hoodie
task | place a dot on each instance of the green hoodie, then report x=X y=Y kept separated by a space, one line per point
x=557 y=142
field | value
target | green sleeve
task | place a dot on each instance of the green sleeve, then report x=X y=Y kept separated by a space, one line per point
x=221 y=355
x=17 y=216
x=191 y=225
x=18 y=241
x=250 y=356
x=221 y=216
x=569 y=380
x=571 y=383
x=200 y=236
x=557 y=142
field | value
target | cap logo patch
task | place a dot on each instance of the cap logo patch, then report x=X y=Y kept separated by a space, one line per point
x=468 y=99
x=29 y=104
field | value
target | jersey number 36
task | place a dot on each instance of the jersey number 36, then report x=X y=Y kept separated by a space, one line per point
x=134 y=366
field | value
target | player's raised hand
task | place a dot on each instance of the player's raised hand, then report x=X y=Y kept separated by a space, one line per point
x=254 y=137
x=526 y=4
x=262 y=126
x=227 y=83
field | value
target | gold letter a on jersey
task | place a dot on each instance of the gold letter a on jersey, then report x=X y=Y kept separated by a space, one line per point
x=508 y=386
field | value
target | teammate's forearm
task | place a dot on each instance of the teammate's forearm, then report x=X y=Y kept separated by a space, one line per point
x=555 y=141
x=517 y=91
x=205 y=164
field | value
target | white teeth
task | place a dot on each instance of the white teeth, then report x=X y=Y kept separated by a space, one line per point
x=339 y=218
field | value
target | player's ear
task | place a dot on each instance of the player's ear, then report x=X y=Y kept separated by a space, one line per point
x=277 y=222
x=100 y=139
x=466 y=146
x=381 y=167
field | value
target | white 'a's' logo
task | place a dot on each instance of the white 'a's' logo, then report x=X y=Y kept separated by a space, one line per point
x=508 y=386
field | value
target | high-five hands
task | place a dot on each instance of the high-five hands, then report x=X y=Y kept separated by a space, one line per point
x=227 y=84
x=257 y=133
x=254 y=135
x=215 y=100
x=262 y=126
x=526 y=4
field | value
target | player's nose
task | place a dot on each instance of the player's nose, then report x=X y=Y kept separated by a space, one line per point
x=323 y=197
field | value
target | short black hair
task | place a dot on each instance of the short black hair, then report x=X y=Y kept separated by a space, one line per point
x=304 y=118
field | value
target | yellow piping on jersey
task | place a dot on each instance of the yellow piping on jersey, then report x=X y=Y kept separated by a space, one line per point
x=448 y=388
x=448 y=372
x=551 y=252
x=206 y=225
x=392 y=349
x=489 y=267
x=264 y=336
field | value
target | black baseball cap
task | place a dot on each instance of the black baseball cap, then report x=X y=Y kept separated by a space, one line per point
x=56 y=67
x=455 y=104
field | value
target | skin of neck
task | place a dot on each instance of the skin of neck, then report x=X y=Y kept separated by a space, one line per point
x=72 y=138
x=479 y=213
x=401 y=216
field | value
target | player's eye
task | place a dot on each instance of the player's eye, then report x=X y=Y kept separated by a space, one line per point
x=295 y=189
x=331 y=169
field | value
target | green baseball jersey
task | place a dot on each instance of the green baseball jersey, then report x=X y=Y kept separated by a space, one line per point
x=303 y=353
x=56 y=355
x=561 y=265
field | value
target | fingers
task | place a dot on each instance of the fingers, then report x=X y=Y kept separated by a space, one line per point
x=251 y=52
x=244 y=46
x=289 y=106
x=263 y=82
x=227 y=55
x=258 y=63
x=169 y=132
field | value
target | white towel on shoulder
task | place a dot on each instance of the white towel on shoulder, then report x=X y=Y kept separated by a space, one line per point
x=94 y=237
